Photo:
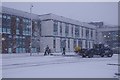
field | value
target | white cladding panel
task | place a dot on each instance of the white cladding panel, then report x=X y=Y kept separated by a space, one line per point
x=47 y=28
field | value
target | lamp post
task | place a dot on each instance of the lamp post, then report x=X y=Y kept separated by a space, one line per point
x=31 y=29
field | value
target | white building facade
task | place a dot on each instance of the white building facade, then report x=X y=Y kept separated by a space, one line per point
x=58 y=32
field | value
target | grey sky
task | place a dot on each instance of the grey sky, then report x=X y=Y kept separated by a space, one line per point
x=82 y=11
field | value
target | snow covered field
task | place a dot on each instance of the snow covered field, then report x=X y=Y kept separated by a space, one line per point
x=39 y=66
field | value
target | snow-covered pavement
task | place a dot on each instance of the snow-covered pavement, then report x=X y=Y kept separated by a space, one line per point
x=39 y=66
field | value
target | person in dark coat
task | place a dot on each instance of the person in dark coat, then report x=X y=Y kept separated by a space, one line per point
x=63 y=51
x=46 y=50
x=49 y=51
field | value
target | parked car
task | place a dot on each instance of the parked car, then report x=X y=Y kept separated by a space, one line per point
x=98 y=49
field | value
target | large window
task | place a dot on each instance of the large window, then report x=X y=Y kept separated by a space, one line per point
x=74 y=43
x=72 y=31
x=17 y=31
x=62 y=43
x=55 y=28
x=17 y=19
x=8 y=30
x=60 y=28
x=19 y=41
x=91 y=33
x=66 y=29
x=4 y=16
x=20 y=50
x=26 y=27
x=87 y=33
x=6 y=22
x=82 y=32
x=54 y=43
x=77 y=34
x=80 y=43
x=69 y=44
x=89 y=44
x=34 y=50
x=86 y=44
x=9 y=50
x=4 y=30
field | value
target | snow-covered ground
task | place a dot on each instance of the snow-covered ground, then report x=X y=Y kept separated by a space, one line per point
x=70 y=66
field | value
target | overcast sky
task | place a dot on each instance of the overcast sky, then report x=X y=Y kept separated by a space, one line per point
x=82 y=11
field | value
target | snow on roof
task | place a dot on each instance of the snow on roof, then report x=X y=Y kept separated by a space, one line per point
x=18 y=13
x=64 y=19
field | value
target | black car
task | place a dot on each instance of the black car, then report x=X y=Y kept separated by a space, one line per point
x=100 y=49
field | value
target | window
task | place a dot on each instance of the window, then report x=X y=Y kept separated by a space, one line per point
x=27 y=21
x=86 y=44
x=87 y=33
x=66 y=29
x=9 y=50
x=82 y=32
x=61 y=44
x=91 y=33
x=26 y=28
x=17 y=19
x=17 y=25
x=68 y=43
x=60 y=28
x=35 y=22
x=8 y=17
x=72 y=31
x=8 y=30
x=77 y=31
x=80 y=43
x=64 y=43
x=17 y=31
x=17 y=50
x=34 y=50
x=74 y=43
x=55 y=28
x=24 y=50
x=54 y=43
x=4 y=30
x=89 y=44
x=4 y=16
x=24 y=20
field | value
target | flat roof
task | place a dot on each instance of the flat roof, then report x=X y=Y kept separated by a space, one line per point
x=64 y=19
x=16 y=12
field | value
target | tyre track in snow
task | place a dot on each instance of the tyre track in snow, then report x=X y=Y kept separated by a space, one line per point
x=42 y=63
x=62 y=60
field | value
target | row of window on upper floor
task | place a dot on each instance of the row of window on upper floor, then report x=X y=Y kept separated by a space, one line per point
x=8 y=31
x=25 y=20
x=76 y=30
x=60 y=23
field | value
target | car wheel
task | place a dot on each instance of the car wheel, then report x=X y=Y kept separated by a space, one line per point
x=102 y=55
x=90 y=55
x=109 y=55
x=83 y=56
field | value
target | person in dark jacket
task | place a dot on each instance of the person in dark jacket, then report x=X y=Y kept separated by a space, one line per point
x=49 y=51
x=46 y=50
x=63 y=51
